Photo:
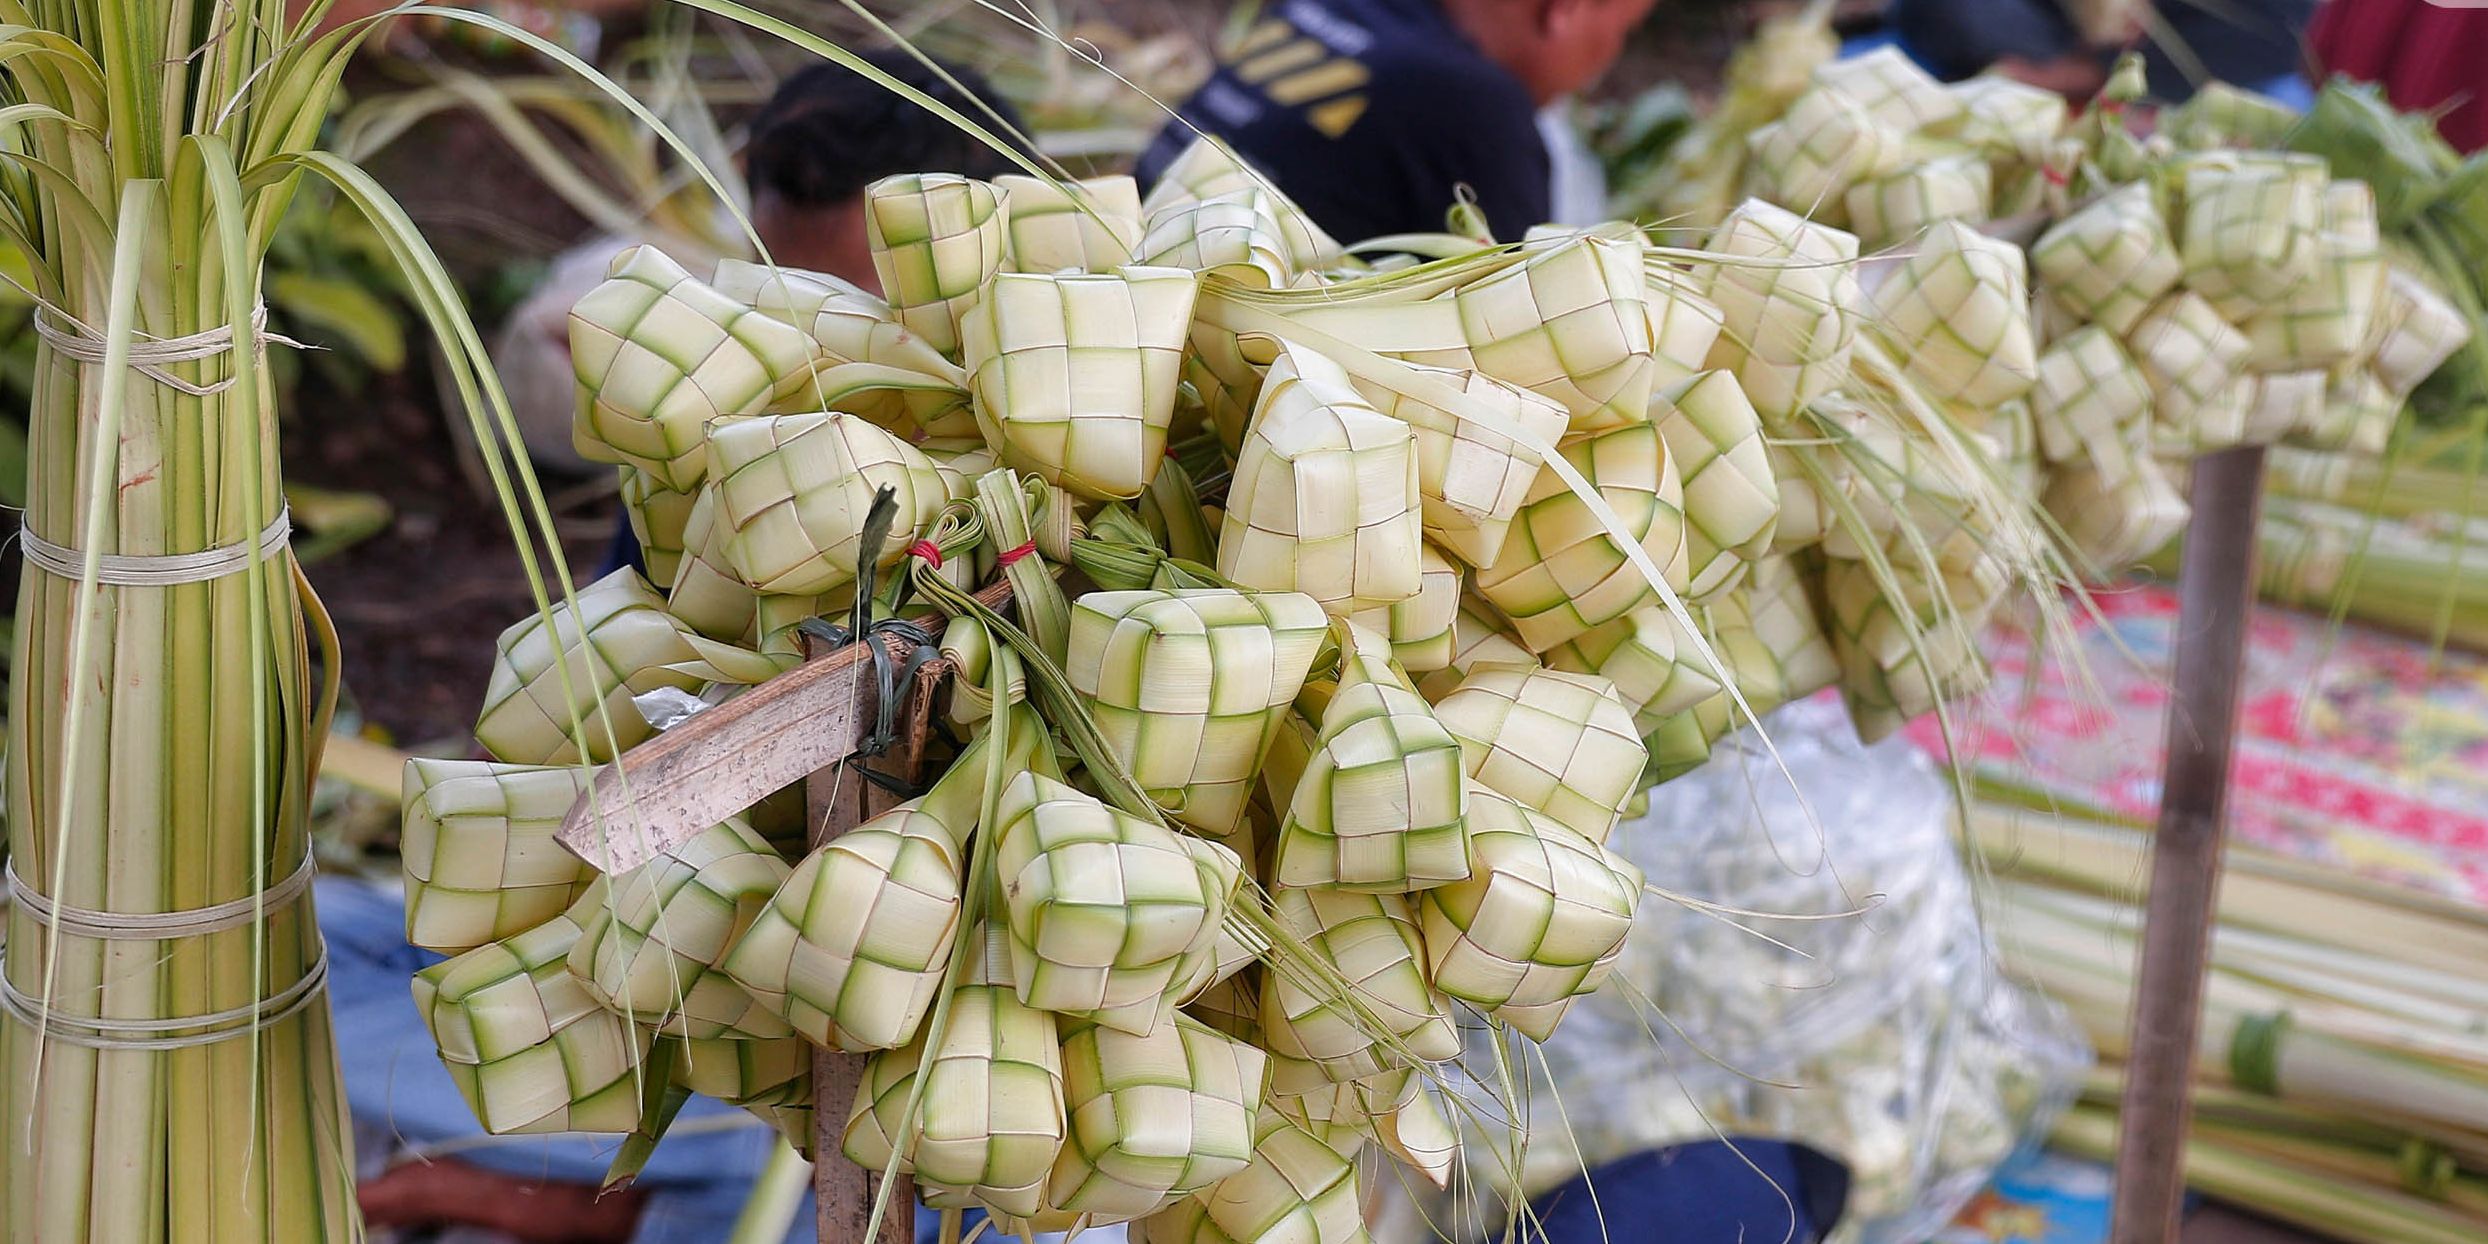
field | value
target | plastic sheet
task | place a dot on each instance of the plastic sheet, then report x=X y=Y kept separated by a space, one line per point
x=1886 y=1038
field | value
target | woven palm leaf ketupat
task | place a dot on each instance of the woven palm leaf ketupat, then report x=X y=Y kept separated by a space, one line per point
x=1539 y=920
x=615 y=640
x=1380 y=798
x=2007 y=119
x=2416 y=330
x=1471 y=479
x=1898 y=206
x=849 y=325
x=1825 y=143
x=527 y=1045
x=936 y=239
x=1208 y=170
x=2109 y=261
x=1957 y=311
x=1297 y=1190
x=2115 y=521
x=991 y=1122
x=1241 y=236
x=2193 y=360
x=1371 y=941
x=1895 y=91
x=1561 y=571
x=657 y=517
x=793 y=490
x=1788 y=300
x=1325 y=498
x=659 y=354
x=477 y=847
x=2249 y=227
x=2330 y=317
x=651 y=940
x=1561 y=744
x=1188 y=686
x=1684 y=324
x=1419 y=629
x=1152 y=1117
x=1092 y=225
x=1732 y=500
x=1649 y=659
x=1106 y=911
x=1571 y=323
x=2089 y=394
x=1075 y=374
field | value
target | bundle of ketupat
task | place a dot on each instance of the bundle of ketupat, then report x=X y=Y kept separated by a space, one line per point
x=1237 y=835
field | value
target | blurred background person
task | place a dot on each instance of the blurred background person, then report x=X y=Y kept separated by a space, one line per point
x=2426 y=56
x=2249 y=43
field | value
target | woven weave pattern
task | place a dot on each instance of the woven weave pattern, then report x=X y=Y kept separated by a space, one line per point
x=477 y=847
x=1085 y=226
x=1895 y=207
x=1419 y=628
x=657 y=516
x=1825 y=143
x=614 y=640
x=793 y=492
x=528 y=1047
x=1296 y=1191
x=1958 y=311
x=1570 y=323
x=2249 y=227
x=1380 y=802
x=1894 y=90
x=936 y=239
x=1325 y=498
x=1388 y=1012
x=1650 y=661
x=2417 y=329
x=1561 y=571
x=2089 y=393
x=1787 y=300
x=651 y=939
x=1561 y=744
x=1471 y=479
x=1153 y=1117
x=2329 y=318
x=1075 y=375
x=2109 y=261
x=1732 y=500
x=2195 y=363
x=1539 y=919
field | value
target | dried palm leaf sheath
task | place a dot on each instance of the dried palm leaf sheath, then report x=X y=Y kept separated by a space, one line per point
x=2116 y=523
x=1891 y=87
x=615 y=640
x=1297 y=1190
x=1188 y=686
x=657 y=516
x=991 y=1122
x=1894 y=208
x=1539 y=920
x=1388 y=1012
x=2007 y=120
x=1324 y=499
x=1152 y=1117
x=2111 y=260
x=1106 y=911
x=1570 y=323
x=650 y=947
x=1086 y=226
x=659 y=354
x=1562 y=744
x=793 y=490
x=2330 y=317
x=1379 y=802
x=1732 y=501
x=478 y=851
x=1958 y=311
x=1788 y=300
x=1898 y=659
x=1419 y=628
x=851 y=325
x=1470 y=479
x=528 y=1047
x=2090 y=397
x=2417 y=329
x=1684 y=325
x=1075 y=375
x=1561 y=572
x=2194 y=362
x=936 y=239
x=851 y=949
x=1825 y=143
x=1649 y=659
x=2250 y=224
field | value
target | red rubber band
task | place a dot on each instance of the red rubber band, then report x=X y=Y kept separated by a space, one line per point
x=2055 y=176
x=1012 y=555
x=926 y=550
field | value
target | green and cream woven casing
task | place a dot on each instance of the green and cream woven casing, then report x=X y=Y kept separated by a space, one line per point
x=1325 y=498
x=1382 y=796
x=1559 y=743
x=528 y=1047
x=991 y=1122
x=1649 y=659
x=2091 y=402
x=793 y=491
x=936 y=239
x=1825 y=143
x=1419 y=628
x=1075 y=374
x=1562 y=571
x=1901 y=656
x=478 y=852
x=1571 y=322
x=1297 y=1190
x=1387 y=1013
x=659 y=354
x=1153 y=1117
x=1788 y=300
x=1894 y=90
x=1188 y=686
x=1684 y=324
x=1732 y=500
x=2250 y=221
x=2195 y=362
x=2115 y=522
x=651 y=939
x=1106 y=911
x=657 y=517
x=615 y=640
x=2417 y=329
x=1471 y=478
x=1895 y=207
x=1092 y=225
x=1957 y=310
x=1248 y=235
x=2331 y=316
x=2110 y=260
x=927 y=396
x=1539 y=920
x=851 y=949
x=2009 y=121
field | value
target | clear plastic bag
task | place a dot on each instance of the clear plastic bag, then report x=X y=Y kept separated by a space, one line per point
x=1863 y=1016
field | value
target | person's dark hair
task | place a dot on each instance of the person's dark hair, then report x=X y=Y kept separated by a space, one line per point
x=829 y=132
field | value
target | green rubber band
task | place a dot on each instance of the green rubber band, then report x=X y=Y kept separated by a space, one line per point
x=2255 y=1053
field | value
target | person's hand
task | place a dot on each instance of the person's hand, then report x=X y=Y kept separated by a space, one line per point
x=446 y=1192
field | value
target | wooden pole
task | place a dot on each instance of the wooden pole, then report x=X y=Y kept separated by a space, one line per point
x=2216 y=593
x=838 y=799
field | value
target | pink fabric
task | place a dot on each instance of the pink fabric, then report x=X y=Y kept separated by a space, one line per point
x=2424 y=54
